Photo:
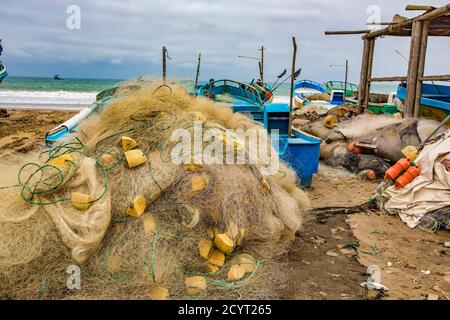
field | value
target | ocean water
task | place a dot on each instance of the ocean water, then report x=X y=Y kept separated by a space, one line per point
x=17 y=92
x=41 y=92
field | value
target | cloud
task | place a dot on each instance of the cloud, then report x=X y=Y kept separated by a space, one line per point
x=123 y=38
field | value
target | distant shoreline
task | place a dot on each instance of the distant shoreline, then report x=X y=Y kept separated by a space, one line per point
x=43 y=107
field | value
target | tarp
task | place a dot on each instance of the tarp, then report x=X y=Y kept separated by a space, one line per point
x=427 y=192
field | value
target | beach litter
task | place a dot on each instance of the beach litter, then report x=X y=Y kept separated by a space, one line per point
x=138 y=226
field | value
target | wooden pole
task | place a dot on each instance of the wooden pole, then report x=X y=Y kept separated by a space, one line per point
x=412 y=7
x=198 y=71
x=388 y=79
x=363 y=76
x=294 y=54
x=444 y=77
x=164 y=63
x=413 y=67
x=346 y=78
x=369 y=72
x=421 y=66
x=333 y=33
x=262 y=65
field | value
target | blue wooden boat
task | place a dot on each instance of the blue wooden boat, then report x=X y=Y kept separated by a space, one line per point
x=303 y=89
x=241 y=97
x=434 y=101
x=3 y=72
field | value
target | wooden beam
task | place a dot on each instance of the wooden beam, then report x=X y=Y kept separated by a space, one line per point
x=332 y=33
x=198 y=71
x=388 y=79
x=430 y=15
x=412 y=7
x=421 y=66
x=445 y=77
x=380 y=23
x=363 y=75
x=413 y=67
x=369 y=72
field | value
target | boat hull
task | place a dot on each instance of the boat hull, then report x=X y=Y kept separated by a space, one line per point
x=434 y=102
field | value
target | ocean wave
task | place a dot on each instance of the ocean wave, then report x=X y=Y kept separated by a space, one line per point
x=46 y=97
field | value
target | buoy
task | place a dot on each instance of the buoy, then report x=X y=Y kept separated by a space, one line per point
x=195 y=285
x=394 y=171
x=211 y=268
x=217 y=258
x=159 y=293
x=199 y=182
x=224 y=243
x=61 y=160
x=410 y=152
x=409 y=175
x=135 y=157
x=81 y=201
x=247 y=262
x=205 y=248
x=241 y=237
x=236 y=273
x=330 y=121
x=214 y=215
x=149 y=223
x=371 y=175
x=351 y=147
x=107 y=159
x=137 y=206
x=192 y=167
x=128 y=143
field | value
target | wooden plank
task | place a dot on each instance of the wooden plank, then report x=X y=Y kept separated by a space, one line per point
x=198 y=71
x=332 y=33
x=430 y=15
x=413 y=66
x=421 y=66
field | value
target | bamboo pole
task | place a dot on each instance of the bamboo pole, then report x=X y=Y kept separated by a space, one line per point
x=363 y=75
x=198 y=70
x=421 y=66
x=369 y=72
x=413 y=66
x=262 y=65
x=294 y=54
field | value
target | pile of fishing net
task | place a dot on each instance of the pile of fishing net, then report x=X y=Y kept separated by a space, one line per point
x=116 y=213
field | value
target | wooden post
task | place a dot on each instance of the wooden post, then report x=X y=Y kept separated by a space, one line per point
x=164 y=64
x=198 y=71
x=369 y=73
x=363 y=76
x=262 y=64
x=413 y=67
x=294 y=43
x=421 y=67
x=346 y=78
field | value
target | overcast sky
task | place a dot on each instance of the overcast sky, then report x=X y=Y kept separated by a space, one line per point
x=122 y=38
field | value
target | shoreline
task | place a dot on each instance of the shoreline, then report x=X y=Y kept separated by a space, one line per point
x=43 y=106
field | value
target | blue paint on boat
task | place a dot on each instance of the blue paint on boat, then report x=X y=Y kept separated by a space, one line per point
x=3 y=73
x=301 y=151
x=314 y=86
x=434 y=101
x=240 y=96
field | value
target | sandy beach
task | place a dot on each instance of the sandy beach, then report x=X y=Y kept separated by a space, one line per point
x=24 y=130
x=320 y=265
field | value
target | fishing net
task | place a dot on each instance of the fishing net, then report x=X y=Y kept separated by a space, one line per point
x=73 y=207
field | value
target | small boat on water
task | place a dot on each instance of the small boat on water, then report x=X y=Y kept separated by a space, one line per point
x=241 y=97
x=3 y=72
x=434 y=101
x=305 y=89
